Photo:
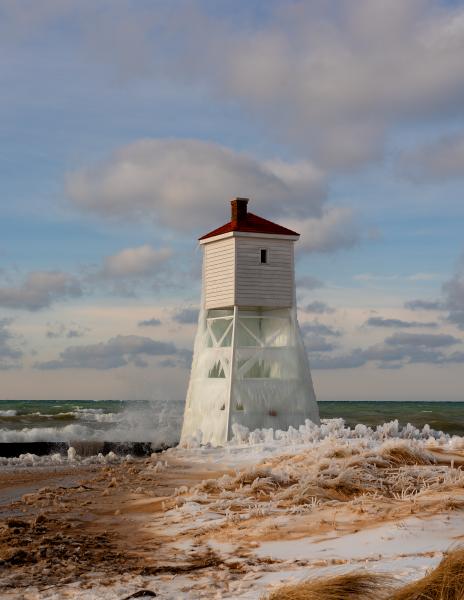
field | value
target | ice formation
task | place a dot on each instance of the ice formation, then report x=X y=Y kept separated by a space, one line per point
x=250 y=366
x=249 y=369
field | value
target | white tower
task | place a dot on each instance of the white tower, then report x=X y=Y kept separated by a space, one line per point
x=249 y=363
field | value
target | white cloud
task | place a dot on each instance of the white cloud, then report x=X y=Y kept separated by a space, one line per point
x=40 y=289
x=185 y=184
x=335 y=229
x=332 y=78
x=135 y=262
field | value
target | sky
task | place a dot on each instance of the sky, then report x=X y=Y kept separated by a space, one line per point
x=126 y=128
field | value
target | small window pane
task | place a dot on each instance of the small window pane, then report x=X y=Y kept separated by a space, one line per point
x=263 y=256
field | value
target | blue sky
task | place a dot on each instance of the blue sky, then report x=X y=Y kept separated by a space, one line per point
x=127 y=127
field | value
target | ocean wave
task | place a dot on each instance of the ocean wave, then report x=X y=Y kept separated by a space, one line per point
x=158 y=424
x=98 y=415
x=8 y=413
x=83 y=414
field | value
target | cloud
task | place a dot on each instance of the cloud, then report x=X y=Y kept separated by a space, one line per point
x=334 y=78
x=9 y=354
x=308 y=282
x=40 y=289
x=149 y=323
x=424 y=305
x=318 y=343
x=318 y=307
x=334 y=230
x=381 y=322
x=454 y=298
x=319 y=329
x=352 y=360
x=429 y=340
x=117 y=352
x=183 y=360
x=130 y=263
x=61 y=330
x=331 y=79
x=315 y=337
x=396 y=351
x=184 y=184
x=436 y=161
x=186 y=316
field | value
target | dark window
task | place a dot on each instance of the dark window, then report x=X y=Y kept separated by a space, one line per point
x=263 y=256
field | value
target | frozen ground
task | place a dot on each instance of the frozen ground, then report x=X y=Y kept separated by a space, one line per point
x=233 y=522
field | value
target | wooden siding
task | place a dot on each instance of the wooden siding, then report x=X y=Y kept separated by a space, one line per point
x=269 y=284
x=235 y=275
x=219 y=273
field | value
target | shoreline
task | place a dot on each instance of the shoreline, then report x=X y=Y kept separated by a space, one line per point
x=232 y=522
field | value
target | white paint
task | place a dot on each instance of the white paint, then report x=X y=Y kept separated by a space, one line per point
x=249 y=367
x=235 y=276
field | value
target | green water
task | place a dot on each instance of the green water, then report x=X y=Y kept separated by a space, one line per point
x=442 y=416
x=31 y=415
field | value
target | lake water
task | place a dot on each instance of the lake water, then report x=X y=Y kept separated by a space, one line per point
x=119 y=420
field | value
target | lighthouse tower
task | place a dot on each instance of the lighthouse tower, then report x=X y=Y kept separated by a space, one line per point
x=249 y=363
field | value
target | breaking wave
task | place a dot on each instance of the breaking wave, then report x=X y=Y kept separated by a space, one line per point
x=156 y=422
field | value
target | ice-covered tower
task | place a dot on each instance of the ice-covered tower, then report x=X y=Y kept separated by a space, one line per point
x=249 y=363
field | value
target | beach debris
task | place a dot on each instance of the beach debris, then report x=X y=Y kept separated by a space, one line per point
x=142 y=594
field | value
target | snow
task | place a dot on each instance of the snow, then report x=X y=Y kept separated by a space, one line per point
x=288 y=505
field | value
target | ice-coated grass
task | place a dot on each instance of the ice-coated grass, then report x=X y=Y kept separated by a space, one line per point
x=445 y=582
x=56 y=459
x=305 y=470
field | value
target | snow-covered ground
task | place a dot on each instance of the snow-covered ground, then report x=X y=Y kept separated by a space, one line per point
x=286 y=506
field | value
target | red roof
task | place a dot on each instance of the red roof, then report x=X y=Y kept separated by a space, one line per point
x=251 y=224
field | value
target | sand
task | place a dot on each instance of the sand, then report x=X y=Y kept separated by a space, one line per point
x=229 y=523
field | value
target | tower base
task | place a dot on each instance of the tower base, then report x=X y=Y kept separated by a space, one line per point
x=249 y=367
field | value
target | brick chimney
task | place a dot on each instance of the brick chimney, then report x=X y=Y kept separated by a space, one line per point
x=239 y=210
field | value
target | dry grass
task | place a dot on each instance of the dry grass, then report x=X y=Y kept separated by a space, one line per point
x=356 y=586
x=446 y=582
x=401 y=453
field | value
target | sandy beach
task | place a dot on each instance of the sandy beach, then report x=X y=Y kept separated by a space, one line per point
x=231 y=522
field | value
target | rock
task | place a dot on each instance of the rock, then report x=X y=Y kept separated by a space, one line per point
x=141 y=594
x=19 y=523
x=17 y=556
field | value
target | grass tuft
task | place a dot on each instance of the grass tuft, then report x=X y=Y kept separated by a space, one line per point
x=445 y=582
x=356 y=586
x=401 y=454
